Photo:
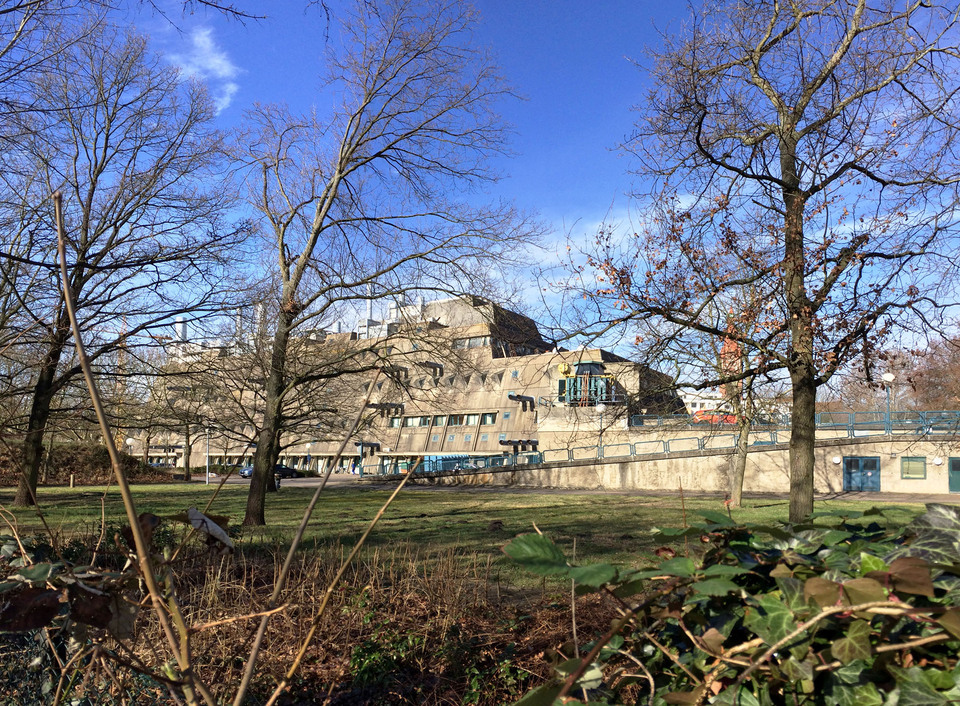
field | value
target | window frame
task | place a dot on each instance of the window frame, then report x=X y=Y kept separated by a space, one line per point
x=913 y=475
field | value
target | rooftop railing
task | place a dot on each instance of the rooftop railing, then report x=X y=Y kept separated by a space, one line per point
x=720 y=436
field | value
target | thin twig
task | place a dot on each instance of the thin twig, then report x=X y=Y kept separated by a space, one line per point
x=282 y=686
x=294 y=544
x=143 y=548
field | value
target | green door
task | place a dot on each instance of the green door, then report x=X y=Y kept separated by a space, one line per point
x=954 y=482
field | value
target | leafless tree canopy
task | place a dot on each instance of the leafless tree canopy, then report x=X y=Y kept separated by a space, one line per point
x=382 y=195
x=131 y=148
x=806 y=152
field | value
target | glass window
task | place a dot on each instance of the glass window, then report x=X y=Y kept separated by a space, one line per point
x=411 y=421
x=451 y=437
x=395 y=421
x=484 y=437
x=424 y=421
x=488 y=418
x=467 y=437
x=503 y=437
x=439 y=420
x=506 y=415
x=455 y=420
x=473 y=420
x=913 y=467
x=435 y=438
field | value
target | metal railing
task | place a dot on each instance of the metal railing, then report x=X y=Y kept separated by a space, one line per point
x=850 y=424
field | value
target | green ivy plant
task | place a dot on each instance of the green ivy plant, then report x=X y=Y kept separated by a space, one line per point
x=840 y=610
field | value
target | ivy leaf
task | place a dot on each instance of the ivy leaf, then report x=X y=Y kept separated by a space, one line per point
x=792 y=591
x=855 y=645
x=950 y=621
x=591 y=678
x=869 y=563
x=739 y=696
x=798 y=670
x=781 y=570
x=538 y=554
x=38 y=573
x=714 y=640
x=823 y=592
x=594 y=575
x=864 y=590
x=914 y=689
x=770 y=619
x=715 y=587
x=911 y=574
x=834 y=537
x=850 y=686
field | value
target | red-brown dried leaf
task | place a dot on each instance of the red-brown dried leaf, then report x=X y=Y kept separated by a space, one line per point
x=90 y=608
x=28 y=609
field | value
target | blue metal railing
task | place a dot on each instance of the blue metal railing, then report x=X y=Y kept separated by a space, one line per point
x=855 y=424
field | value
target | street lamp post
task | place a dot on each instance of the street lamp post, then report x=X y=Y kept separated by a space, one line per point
x=208 y=456
x=888 y=379
x=601 y=408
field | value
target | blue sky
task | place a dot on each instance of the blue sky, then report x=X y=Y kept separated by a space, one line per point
x=569 y=59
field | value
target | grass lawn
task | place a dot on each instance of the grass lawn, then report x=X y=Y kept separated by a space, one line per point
x=475 y=521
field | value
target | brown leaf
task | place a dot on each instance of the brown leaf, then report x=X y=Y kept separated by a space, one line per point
x=713 y=639
x=148 y=523
x=28 y=609
x=950 y=621
x=911 y=574
x=823 y=592
x=864 y=590
x=88 y=607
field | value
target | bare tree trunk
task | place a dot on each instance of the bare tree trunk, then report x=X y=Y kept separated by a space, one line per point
x=43 y=392
x=744 y=410
x=187 y=452
x=801 y=362
x=145 y=454
x=268 y=447
x=802 y=437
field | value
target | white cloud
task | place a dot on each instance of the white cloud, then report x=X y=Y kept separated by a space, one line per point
x=205 y=60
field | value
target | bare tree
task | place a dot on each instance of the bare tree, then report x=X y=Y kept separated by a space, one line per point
x=140 y=169
x=816 y=140
x=380 y=197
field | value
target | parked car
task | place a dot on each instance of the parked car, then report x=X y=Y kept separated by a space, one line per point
x=286 y=471
x=713 y=416
x=280 y=470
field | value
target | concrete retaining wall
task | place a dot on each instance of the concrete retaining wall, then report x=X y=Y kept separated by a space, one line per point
x=707 y=471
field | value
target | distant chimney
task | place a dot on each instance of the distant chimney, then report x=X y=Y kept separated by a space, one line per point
x=180 y=329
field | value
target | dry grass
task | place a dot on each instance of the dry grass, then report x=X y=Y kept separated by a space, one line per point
x=405 y=628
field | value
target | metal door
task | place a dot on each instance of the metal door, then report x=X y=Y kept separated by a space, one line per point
x=954 y=481
x=861 y=473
